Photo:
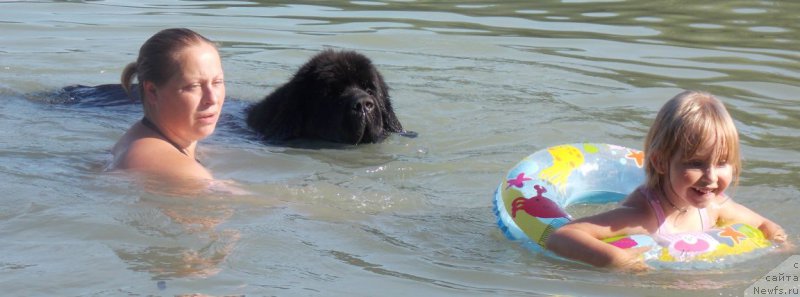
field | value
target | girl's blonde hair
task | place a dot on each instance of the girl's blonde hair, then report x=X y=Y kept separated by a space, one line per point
x=682 y=126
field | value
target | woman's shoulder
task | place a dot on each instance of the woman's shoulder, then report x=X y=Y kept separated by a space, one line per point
x=145 y=151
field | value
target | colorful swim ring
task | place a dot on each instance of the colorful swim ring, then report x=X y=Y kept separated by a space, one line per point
x=530 y=204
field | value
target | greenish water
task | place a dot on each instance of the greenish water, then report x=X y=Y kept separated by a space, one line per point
x=483 y=83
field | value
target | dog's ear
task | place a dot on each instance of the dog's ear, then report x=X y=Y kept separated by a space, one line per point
x=390 y=121
x=277 y=117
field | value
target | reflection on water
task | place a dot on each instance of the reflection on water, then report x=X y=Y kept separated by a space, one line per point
x=184 y=220
x=484 y=83
x=186 y=228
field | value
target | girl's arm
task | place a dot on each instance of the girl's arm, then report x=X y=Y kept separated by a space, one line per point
x=732 y=212
x=580 y=239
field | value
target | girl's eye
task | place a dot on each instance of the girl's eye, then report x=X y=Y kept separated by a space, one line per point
x=722 y=163
x=695 y=164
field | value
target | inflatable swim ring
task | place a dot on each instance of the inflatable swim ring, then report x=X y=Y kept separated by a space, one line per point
x=530 y=204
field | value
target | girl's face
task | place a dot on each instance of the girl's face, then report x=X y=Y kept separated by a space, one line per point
x=700 y=179
x=189 y=103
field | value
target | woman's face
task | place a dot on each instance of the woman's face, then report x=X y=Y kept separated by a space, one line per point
x=188 y=105
x=700 y=179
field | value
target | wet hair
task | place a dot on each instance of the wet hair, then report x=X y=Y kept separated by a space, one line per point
x=157 y=57
x=682 y=126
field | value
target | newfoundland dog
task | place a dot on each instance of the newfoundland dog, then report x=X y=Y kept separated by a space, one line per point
x=337 y=96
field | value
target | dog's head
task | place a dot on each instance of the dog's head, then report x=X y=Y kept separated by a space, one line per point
x=336 y=96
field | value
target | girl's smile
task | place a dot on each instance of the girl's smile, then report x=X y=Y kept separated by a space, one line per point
x=699 y=180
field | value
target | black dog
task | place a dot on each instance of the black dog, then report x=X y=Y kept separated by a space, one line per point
x=337 y=96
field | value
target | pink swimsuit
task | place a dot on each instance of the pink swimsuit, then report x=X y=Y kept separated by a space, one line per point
x=662 y=234
x=683 y=246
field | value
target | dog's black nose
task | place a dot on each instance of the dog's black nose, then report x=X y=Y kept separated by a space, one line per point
x=363 y=104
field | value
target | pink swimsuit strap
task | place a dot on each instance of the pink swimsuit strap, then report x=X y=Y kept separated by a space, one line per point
x=655 y=203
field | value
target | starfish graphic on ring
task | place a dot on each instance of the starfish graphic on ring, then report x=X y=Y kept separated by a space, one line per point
x=733 y=234
x=518 y=181
x=637 y=156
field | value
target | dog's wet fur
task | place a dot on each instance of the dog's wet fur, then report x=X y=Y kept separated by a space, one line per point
x=337 y=96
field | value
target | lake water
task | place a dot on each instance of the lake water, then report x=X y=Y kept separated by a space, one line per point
x=484 y=83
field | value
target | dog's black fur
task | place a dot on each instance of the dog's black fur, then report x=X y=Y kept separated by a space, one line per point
x=336 y=96
x=102 y=95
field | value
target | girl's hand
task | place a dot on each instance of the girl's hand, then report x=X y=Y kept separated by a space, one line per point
x=773 y=232
x=632 y=260
x=786 y=247
x=778 y=236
